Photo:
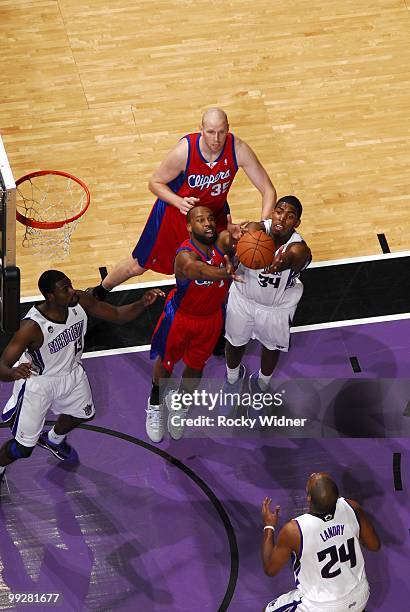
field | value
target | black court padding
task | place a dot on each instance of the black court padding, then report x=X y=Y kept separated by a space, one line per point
x=354 y=362
x=383 y=243
x=355 y=290
x=103 y=272
x=398 y=485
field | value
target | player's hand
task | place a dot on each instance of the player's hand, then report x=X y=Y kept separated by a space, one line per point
x=231 y=271
x=269 y=517
x=236 y=230
x=278 y=264
x=187 y=204
x=150 y=296
x=21 y=371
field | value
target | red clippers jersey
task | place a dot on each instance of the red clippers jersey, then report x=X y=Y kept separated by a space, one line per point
x=209 y=182
x=200 y=297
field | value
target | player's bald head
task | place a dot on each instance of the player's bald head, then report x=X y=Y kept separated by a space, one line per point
x=322 y=493
x=197 y=211
x=214 y=115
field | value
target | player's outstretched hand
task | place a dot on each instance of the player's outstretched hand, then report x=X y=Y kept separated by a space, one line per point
x=278 y=262
x=236 y=229
x=231 y=272
x=21 y=371
x=150 y=296
x=187 y=204
x=269 y=517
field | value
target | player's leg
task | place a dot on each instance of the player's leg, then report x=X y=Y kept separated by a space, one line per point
x=233 y=355
x=73 y=403
x=272 y=329
x=176 y=401
x=154 y=420
x=259 y=381
x=25 y=412
x=239 y=324
x=119 y=274
x=167 y=347
x=10 y=452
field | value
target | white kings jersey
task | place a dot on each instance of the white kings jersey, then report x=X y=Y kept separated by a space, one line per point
x=331 y=565
x=282 y=289
x=63 y=343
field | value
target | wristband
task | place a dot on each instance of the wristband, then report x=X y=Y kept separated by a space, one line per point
x=269 y=527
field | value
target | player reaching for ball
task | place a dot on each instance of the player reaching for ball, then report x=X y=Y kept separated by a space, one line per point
x=263 y=306
x=192 y=318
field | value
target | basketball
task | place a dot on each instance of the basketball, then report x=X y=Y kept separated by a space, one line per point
x=255 y=249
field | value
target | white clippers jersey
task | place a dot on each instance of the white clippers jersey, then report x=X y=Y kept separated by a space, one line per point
x=63 y=343
x=331 y=563
x=282 y=289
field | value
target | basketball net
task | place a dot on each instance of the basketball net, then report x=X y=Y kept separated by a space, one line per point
x=50 y=204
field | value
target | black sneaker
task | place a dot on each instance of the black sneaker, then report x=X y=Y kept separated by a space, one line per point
x=62 y=451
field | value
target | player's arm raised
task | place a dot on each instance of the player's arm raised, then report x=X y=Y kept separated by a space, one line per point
x=296 y=257
x=169 y=169
x=189 y=266
x=28 y=336
x=257 y=174
x=118 y=314
x=275 y=554
x=368 y=536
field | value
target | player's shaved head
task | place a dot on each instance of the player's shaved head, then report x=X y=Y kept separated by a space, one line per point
x=48 y=280
x=322 y=493
x=194 y=212
x=214 y=115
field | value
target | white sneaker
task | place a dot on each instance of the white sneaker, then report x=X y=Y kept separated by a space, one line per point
x=175 y=425
x=154 y=422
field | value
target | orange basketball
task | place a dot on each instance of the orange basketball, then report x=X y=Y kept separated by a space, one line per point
x=255 y=249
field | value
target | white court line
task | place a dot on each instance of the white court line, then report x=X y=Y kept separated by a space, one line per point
x=118 y=351
x=302 y=328
x=319 y=264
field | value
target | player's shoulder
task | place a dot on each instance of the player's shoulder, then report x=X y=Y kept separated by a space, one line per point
x=242 y=151
x=180 y=151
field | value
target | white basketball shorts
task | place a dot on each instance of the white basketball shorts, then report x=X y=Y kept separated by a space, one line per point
x=268 y=324
x=32 y=398
x=295 y=602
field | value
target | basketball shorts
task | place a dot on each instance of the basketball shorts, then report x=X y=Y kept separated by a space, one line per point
x=162 y=235
x=180 y=336
x=295 y=602
x=268 y=324
x=32 y=398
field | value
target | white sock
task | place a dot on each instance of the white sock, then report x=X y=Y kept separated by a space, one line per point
x=232 y=374
x=2 y=468
x=54 y=438
x=263 y=380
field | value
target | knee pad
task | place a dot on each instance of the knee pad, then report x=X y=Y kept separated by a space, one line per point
x=15 y=450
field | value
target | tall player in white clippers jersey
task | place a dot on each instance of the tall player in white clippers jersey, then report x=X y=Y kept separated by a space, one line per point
x=262 y=307
x=325 y=547
x=46 y=353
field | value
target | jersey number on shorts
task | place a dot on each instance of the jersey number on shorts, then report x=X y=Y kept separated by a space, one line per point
x=220 y=188
x=340 y=554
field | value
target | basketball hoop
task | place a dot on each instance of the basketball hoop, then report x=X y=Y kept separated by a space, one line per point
x=49 y=204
